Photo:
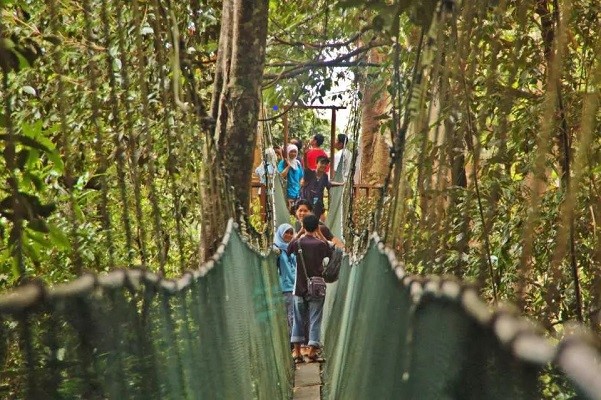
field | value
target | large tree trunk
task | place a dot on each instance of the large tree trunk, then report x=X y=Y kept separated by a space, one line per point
x=238 y=108
x=242 y=93
x=374 y=148
x=235 y=108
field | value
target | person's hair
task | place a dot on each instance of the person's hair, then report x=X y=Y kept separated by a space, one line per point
x=298 y=143
x=323 y=159
x=302 y=202
x=342 y=139
x=318 y=139
x=310 y=223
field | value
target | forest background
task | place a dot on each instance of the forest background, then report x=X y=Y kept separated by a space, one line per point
x=482 y=119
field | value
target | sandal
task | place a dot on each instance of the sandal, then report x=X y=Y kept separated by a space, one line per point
x=316 y=358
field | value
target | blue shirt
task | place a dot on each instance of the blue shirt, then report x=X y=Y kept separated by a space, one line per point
x=294 y=177
x=287 y=271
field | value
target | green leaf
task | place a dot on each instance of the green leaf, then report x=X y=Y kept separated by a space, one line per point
x=33 y=130
x=23 y=63
x=56 y=161
x=59 y=239
x=39 y=238
x=55 y=40
x=6 y=43
x=31 y=251
x=79 y=215
x=34 y=157
x=38 y=225
x=27 y=141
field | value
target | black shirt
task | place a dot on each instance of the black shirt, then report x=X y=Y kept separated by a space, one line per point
x=314 y=251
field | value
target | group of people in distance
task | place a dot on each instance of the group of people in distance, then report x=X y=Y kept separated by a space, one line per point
x=308 y=179
x=306 y=246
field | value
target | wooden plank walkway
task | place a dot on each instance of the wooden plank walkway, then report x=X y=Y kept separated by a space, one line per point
x=307 y=382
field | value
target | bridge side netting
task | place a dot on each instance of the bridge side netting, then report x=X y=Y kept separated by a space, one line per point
x=218 y=333
x=393 y=336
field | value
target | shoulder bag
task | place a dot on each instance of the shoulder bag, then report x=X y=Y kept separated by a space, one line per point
x=316 y=285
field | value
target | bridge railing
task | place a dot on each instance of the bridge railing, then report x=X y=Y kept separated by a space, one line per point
x=394 y=335
x=218 y=331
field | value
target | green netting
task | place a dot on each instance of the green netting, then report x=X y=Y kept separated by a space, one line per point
x=219 y=333
x=281 y=214
x=356 y=342
x=334 y=218
x=409 y=338
x=454 y=357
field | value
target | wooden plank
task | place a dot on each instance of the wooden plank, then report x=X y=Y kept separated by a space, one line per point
x=307 y=382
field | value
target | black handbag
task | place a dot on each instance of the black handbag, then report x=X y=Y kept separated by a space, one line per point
x=316 y=285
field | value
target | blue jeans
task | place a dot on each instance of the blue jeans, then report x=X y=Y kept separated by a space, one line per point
x=307 y=308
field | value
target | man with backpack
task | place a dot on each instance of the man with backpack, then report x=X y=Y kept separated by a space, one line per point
x=309 y=288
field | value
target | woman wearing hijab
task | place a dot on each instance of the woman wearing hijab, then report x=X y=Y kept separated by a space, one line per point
x=286 y=267
x=291 y=169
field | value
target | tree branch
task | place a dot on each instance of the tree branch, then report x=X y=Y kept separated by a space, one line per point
x=301 y=68
x=335 y=45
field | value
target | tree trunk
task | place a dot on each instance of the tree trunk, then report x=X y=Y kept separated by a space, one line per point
x=224 y=57
x=235 y=107
x=242 y=101
x=374 y=148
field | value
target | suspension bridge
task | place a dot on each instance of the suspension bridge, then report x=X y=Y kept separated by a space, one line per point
x=109 y=168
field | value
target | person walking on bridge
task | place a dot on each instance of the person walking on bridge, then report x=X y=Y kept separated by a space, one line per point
x=286 y=267
x=309 y=294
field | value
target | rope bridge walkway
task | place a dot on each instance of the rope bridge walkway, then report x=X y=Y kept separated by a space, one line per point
x=105 y=167
x=220 y=332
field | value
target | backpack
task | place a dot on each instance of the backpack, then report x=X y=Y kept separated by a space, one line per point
x=332 y=270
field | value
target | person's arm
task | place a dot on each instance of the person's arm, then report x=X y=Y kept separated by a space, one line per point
x=337 y=242
x=301 y=232
x=283 y=168
x=292 y=246
x=329 y=236
x=319 y=234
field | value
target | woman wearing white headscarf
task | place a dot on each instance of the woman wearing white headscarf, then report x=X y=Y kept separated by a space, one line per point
x=286 y=267
x=291 y=169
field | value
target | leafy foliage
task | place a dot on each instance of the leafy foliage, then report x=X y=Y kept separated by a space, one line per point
x=94 y=161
